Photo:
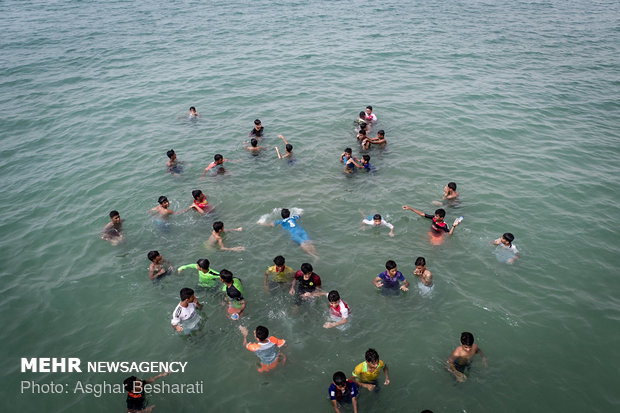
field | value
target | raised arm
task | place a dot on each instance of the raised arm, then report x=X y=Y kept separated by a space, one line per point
x=417 y=211
x=387 y=375
x=282 y=137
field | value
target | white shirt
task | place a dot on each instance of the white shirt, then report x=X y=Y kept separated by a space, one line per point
x=383 y=223
x=183 y=313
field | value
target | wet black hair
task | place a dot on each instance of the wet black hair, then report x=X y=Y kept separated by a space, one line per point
x=217 y=226
x=257 y=122
x=441 y=212
x=467 y=339
x=279 y=260
x=170 y=153
x=285 y=213
x=306 y=268
x=376 y=216
x=371 y=355
x=162 y=199
x=508 y=237
x=128 y=382
x=369 y=107
x=363 y=126
x=226 y=276
x=333 y=296
x=203 y=263
x=114 y=213
x=218 y=157
x=339 y=378
x=152 y=255
x=186 y=293
x=253 y=142
x=452 y=186
x=362 y=131
x=381 y=132
x=362 y=115
x=390 y=264
x=420 y=261
x=192 y=108
x=289 y=147
x=196 y=193
x=262 y=333
x=366 y=158
x=348 y=150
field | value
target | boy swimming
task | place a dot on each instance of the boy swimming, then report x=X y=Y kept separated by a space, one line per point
x=460 y=359
x=438 y=226
x=376 y=221
x=216 y=237
x=113 y=230
x=297 y=233
x=505 y=242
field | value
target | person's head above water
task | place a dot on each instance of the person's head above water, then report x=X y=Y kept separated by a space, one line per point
x=197 y=194
x=162 y=199
x=285 y=213
x=440 y=214
x=254 y=142
x=170 y=153
x=467 y=339
x=508 y=237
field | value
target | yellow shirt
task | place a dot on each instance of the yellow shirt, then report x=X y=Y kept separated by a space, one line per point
x=362 y=374
x=283 y=276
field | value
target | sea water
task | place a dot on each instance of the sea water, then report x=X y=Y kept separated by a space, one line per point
x=517 y=102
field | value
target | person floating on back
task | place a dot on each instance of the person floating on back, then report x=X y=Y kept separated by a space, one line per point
x=366 y=374
x=297 y=233
x=505 y=243
x=159 y=267
x=267 y=348
x=216 y=237
x=391 y=279
x=185 y=316
x=378 y=221
x=438 y=226
x=206 y=276
x=113 y=230
x=460 y=360
x=338 y=310
x=234 y=294
x=342 y=391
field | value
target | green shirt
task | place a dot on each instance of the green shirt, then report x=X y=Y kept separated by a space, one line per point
x=205 y=279
x=236 y=285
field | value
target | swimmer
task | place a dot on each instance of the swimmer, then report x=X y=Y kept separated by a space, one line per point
x=379 y=140
x=391 y=278
x=361 y=135
x=159 y=267
x=193 y=113
x=113 y=230
x=280 y=272
x=370 y=117
x=343 y=391
x=297 y=233
x=449 y=191
x=349 y=161
x=266 y=348
x=377 y=220
x=234 y=293
x=258 y=130
x=136 y=400
x=461 y=357
x=218 y=160
x=185 y=311
x=366 y=374
x=173 y=165
x=308 y=283
x=288 y=147
x=506 y=242
x=424 y=275
x=365 y=164
x=361 y=119
x=338 y=310
x=200 y=204
x=162 y=209
x=216 y=237
x=438 y=227
x=206 y=276
x=254 y=147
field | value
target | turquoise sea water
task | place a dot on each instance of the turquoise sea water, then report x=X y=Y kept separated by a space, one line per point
x=518 y=102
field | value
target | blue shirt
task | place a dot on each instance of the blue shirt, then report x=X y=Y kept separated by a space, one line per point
x=351 y=390
x=392 y=282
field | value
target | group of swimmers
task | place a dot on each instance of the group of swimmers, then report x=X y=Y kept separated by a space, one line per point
x=304 y=283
